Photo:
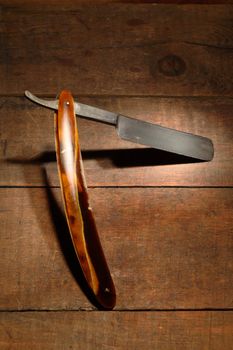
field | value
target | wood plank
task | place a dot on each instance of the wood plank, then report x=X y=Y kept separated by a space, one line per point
x=117 y=330
x=71 y=3
x=27 y=143
x=166 y=248
x=168 y=50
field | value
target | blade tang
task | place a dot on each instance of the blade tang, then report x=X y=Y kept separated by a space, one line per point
x=81 y=109
x=95 y=113
x=53 y=104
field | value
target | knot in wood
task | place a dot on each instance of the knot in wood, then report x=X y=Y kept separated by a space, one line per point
x=172 y=65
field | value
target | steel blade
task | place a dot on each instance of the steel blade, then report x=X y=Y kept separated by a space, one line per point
x=165 y=139
x=141 y=132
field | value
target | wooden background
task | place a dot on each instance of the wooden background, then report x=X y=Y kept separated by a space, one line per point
x=165 y=225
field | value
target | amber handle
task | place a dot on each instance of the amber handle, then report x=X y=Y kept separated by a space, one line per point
x=79 y=215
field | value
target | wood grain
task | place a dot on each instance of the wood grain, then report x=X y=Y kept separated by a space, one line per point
x=118 y=50
x=73 y=4
x=166 y=248
x=27 y=143
x=117 y=330
x=169 y=249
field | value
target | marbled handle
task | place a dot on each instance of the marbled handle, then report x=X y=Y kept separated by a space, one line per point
x=79 y=215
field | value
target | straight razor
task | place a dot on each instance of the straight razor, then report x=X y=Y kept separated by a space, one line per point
x=141 y=132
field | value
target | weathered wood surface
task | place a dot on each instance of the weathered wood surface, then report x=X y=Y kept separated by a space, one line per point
x=166 y=248
x=118 y=49
x=117 y=330
x=73 y=4
x=27 y=143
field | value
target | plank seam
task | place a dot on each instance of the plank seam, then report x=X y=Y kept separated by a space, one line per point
x=13 y=95
x=119 y=310
x=125 y=186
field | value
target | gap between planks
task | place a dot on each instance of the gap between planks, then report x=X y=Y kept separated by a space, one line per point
x=122 y=186
x=118 y=310
x=196 y=97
